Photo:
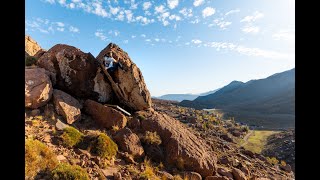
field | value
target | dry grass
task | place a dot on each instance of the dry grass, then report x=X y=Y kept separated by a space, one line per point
x=151 y=138
x=104 y=146
x=149 y=171
x=257 y=140
x=38 y=157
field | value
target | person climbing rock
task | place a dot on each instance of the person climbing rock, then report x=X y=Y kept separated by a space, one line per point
x=110 y=63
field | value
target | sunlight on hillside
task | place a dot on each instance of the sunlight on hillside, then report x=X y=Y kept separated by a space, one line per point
x=257 y=140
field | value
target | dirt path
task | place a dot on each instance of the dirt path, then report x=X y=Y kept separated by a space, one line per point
x=246 y=138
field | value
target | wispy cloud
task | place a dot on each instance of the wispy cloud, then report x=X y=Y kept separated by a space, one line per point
x=146 y=5
x=46 y=26
x=198 y=2
x=286 y=35
x=256 y=15
x=186 y=12
x=233 y=11
x=196 y=41
x=208 y=11
x=99 y=33
x=221 y=23
x=172 y=3
x=251 y=29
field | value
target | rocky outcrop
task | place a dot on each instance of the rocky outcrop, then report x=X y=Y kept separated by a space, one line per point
x=74 y=72
x=191 y=176
x=105 y=116
x=67 y=106
x=31 y=46
x=129 y=142
x=127 y=83
x=39 y=53
x=182 y=148
x=38 y=88
x=238 y=174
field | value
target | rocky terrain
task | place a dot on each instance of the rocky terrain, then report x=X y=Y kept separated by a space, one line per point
x=282 y=146
x=72 y=131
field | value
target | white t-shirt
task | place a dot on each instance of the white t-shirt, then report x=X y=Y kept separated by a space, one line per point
x=108 y=62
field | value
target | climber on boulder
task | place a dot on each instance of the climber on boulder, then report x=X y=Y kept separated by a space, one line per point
x=110 y=63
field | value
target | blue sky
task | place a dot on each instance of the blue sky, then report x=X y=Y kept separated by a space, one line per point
x=181 y=46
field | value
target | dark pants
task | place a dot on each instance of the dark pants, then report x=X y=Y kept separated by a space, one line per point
x=114 y=67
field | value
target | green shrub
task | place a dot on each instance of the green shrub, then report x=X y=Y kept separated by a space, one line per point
x=30 y=60
x=244 y=128
x=71 y=137
x=149 y=171
x=66 y=171
x=273 y=160
x=141 y=117
x=283 y=163
x=104 y=146
x=151 y=138
x=38 y=157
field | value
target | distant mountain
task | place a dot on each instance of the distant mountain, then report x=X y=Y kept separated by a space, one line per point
x=181 y=97
x=268 y=102
x=178 y=97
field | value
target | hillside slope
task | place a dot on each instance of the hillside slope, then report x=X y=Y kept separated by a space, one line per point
x=268 y=102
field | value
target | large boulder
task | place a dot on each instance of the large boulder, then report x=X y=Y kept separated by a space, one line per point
x=182 y=148
x=39 y=53
x=105 y=116
x=31 y=46
x=129 y=142
x=75 y=72
x=238 y=174
x=67 y=106
x=38 y=88
x=127 y=83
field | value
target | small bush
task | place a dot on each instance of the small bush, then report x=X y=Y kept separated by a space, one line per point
x=177 y=177
x=151 y=138
x=244 y=128
x=30 y=60
x=71 y=137
x=38 y=157
x=104 y=146
x=273 y=160
x=69 y=172
x=132 y=170
x=283 y=163
x=115 y=128
x=148 y=172
x=180 y=163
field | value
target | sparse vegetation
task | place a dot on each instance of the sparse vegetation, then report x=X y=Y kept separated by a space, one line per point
x=71 y=137
x=180 y=163
x=66 y=171
x=38 y=157
x=115 y=128
x=141 y=117
x=257 y=140
x=30 y=60
x=273 y=160
x=149 y=171
x=177 y=177
x=104 y=146
x=151 y=138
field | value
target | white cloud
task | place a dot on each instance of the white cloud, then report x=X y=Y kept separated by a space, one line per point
x=198 y=2
x=98 y=9
x=72 y=5
x=196 y=21
x=232 y=11
x=208 y=11
x=73 y=29
x=143 y=20
x=287 y=35
x=221 y=23
x=60 y=29
x=60 y=24
x=143 y=35
x=129 y=15
x=175 y=17
x=157 y=39
x=100 y=35
x=256 y=15
x=165 y=23
x=50 y=1
x=62 y=2
x=76 y=1
x=196 y=41
x=172 y=3
x=43 y=31
x=187 y=43
x=133 y=36
x=120 y=16
x=251 y=29
x=146 y=5
x=159 y=9
x=148 y=40
x=114 y=10
x=114 y=32
x=126 y=41
x=186 y=12
x=133 y=5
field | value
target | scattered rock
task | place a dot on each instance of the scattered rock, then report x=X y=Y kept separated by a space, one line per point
x=61 y=158
x=164 y=175
x=226 y=137
x=192 y=176
x=67 y=106
x=286 y=168
x=35 y=112
x=238 y=174
x=182 y=148
x=73 y=71
x=216 y=178
x=154 y=152
x=38 y=88
x=224 y=160
x=127 y=83
x=104 y=115
x=127 y=157
x=60 y=125
x=129 y=142
x=225 y=172
x=248 y=152
x=117 y=176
